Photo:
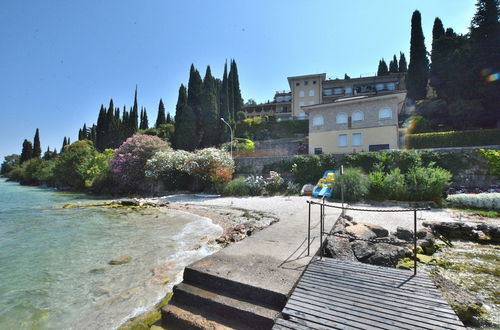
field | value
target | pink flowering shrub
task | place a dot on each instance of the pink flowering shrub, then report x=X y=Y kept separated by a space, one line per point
x=128 y=164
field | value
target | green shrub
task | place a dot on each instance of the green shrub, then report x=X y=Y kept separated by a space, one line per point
x=377 y=188
x=282 y=166
x=292 y=188
x=271 y=130
x=453 y=139
x=354 y=183
x=309 y=169
x=489 y=201
x=274 y=183
x=255 y=184
x=493 y=158
x=236 y=187
x=426 y=183
x=240 y=145
x=394 y=185
x=418 y=124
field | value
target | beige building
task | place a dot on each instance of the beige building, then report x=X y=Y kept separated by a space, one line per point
x=356 y=123
x=305 y=91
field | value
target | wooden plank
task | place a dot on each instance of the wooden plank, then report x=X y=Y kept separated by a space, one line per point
x=373 y=289
x=356 y=271
x=399 y=315
x=325 y=316
x=442 y=308
x=305 y=324
x=401 y=284
x=289 y=324
x=389 y=307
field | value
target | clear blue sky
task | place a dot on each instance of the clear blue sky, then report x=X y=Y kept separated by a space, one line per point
x=61 y=59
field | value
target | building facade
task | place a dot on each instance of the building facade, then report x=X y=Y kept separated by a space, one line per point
x=355 y=124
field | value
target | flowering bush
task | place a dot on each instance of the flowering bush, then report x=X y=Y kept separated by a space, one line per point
x=166 y=164
x=128 y=164
x=255 y=184
x=212 y=165
x=487 y=201
x=274 y=183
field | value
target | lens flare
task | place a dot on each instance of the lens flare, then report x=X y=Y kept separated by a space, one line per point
x=493 y=77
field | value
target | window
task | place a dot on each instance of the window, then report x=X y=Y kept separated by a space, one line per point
x=311 y=102
x=341 y=118
x=311 y=92
x=279 y=99
x=348 y=90
x=337 y=91
x=314 y=82
x=391 y=86
x=301 y=103
x=306 y=82
x=358 y=116
x=379 y=87
x=297 y=84
x=327 y=92
x=378 y=147
x=301 y=94
x=357 y=139
x=342 y=140
x=385 y=113
x=318 y=151
x=318 y=120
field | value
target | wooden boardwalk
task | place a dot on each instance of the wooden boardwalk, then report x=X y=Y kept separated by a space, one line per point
x=338 y=294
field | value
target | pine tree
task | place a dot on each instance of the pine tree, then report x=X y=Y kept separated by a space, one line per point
x=185 y=135
x=418 y=70
x=37 y=149
x=210 y=111
x=27 y=151
x=393 y=66
x=402 y=66
x=160 y=118
x=382 y=68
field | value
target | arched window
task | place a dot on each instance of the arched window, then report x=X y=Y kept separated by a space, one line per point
x=341 y=118
x=358 y=116
x=385 y=113
x=318 y=120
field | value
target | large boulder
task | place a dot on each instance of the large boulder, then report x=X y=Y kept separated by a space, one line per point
x=404 y=234
x=361 y=231
x=363 y=249
x=340 y=248
x=386 y=255
x=378 y=230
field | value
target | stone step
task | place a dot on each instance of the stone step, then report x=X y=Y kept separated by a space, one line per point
x=228 y=310
x=237 y=290
x=187 y=318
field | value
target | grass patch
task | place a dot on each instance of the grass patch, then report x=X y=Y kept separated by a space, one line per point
x=483 y=213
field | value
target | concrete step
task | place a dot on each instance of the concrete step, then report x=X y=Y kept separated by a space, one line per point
x=187 y=318
x=225 y=309
x=237 y=290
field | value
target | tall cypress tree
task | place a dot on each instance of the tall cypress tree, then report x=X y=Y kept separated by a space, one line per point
x=236 y=100
x=438 y=56
x=27 y=152
x=224 y=106
x=393 y=66
x=194 y=99
x=100 y=129
x=160 y=118
x=169 y=119
x=37 y=149
x=185 y=135
x=210 y=111
x=382 y=68
x=402 y=65
x=418 y=70
x=144 y=119
x=134 y=114
x=65 y=143
x=346 y=77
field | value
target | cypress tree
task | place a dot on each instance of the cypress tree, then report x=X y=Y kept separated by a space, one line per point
x=418 y=70
x=69 y=140
x=210 y=111
x=236 y=99
x=224 y=106
x=382 y=68
x=346 y=77
x=160 y=118
x=438 y=56
x=402 y=66
x=86 y=135
x=393 y=66
x=37 y=149
x=185 y=135
x=134 y=120
x=144 y=119
x=194 y=96
x=169 y=119
x=65 y=143
x=80 y=134
x=27 y=152
x=100 y=129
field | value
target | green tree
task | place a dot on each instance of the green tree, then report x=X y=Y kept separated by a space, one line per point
x=185 y=135
x=27 y=151
x=235 y=101
x=9 y=163
x=346 y=77
x=160 y=118
x=144 y=119
x=194 y=100
x=69 y=169
x=224 y=106
x=418 y=70
x=64 y=144
x=437 y=55
x=37 y=149
x=393 y=65
x=402 y=66
x=382 y=68
x=133 y=120
x=210 y=111
x=169 y=119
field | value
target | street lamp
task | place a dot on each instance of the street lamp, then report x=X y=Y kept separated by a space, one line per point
x=231 y=130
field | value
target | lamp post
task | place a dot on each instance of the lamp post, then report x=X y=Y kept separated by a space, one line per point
x=231 y=130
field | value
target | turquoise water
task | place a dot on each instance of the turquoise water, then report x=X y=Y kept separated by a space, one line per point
x=54 y=271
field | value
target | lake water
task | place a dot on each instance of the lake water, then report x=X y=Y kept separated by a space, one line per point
x=54 y=271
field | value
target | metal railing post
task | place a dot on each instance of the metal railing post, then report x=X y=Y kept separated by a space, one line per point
x=321 y=210
x=309 y=231
x=415 y=242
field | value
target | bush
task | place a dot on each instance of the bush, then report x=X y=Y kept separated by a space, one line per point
x=377 y=187
x=70 y=169
x=128 y=163
x=418 y=124
x=453 y=139
x=255 y=184
x=493 y=158
x=171 y=168
x=240 y=145
x=354 y=183
x=272 y=130
x=394 y=185
x=309 y=169
x=427 y=183
x=490 y=201
x=236 y=187
x=292 y=188
x=274 y=183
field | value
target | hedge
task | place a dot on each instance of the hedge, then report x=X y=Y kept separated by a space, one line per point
x=453 y=139
x=272 y=130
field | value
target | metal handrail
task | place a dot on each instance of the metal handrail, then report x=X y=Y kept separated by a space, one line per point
x=322 y=220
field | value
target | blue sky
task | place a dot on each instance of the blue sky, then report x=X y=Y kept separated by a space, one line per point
x=61 y=59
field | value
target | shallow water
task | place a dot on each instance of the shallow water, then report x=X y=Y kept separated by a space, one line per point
x=54 y=271
x=475 y=267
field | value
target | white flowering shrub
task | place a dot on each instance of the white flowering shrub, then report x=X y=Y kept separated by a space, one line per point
x=274 y=183
x=256 y=184
x=166 y=163
x=487 y=201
